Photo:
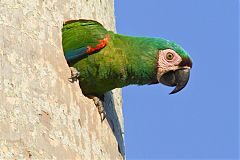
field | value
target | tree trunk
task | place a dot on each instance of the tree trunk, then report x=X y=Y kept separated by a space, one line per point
x=42 y=114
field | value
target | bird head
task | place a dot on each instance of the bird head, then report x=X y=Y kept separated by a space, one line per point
x=173 y=66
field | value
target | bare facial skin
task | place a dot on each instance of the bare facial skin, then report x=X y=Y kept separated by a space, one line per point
x=168 y=59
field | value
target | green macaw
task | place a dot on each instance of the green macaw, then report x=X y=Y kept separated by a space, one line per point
x=107 y=60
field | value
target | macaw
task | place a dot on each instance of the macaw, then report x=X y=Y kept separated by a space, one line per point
x=104 y=60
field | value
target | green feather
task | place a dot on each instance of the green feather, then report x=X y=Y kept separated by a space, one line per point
x=123 y=61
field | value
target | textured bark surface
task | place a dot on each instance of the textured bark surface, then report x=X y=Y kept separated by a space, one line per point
x=42 y=115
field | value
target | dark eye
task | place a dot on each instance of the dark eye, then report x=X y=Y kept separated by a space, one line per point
x=169 y=56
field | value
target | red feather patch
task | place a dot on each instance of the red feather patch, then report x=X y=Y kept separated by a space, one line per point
x=99 y=46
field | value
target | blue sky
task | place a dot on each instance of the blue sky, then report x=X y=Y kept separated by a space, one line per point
x=200 y=122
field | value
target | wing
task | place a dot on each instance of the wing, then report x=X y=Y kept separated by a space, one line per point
x=81 y=38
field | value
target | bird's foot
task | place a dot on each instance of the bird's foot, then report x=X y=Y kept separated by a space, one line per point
x=99 y=104
x=74 y=75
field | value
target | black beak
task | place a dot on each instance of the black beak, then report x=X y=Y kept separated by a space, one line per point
x=178 y=78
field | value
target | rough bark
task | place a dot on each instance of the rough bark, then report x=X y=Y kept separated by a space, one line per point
x=42 y=114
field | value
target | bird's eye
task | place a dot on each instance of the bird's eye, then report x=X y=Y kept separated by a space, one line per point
x=169 y=56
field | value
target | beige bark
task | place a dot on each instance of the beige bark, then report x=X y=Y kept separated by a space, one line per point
x=42 y=115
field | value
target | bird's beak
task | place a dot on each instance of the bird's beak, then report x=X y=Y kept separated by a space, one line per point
x=178 y=78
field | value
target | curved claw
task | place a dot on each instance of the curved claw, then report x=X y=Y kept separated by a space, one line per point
x=100 y=107
x=75 y=74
